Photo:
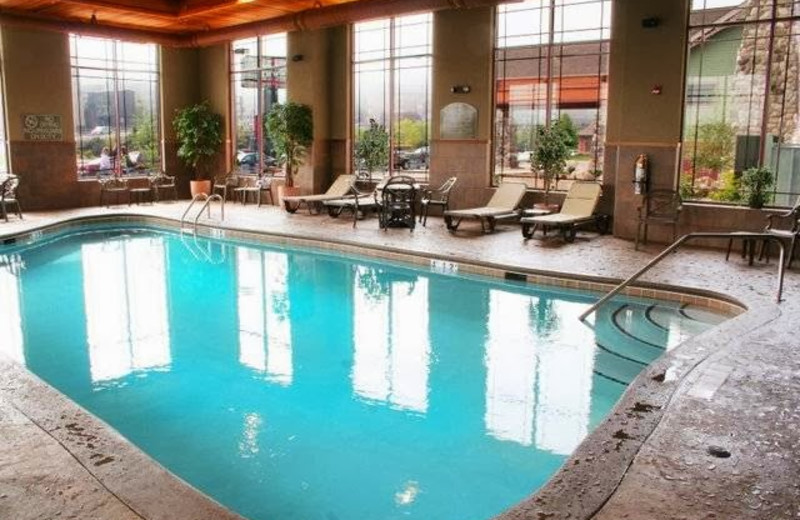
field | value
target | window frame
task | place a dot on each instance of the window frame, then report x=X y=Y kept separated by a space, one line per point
x=554 y=41
x=690 y=98
x=115 y=74
x=393 y=58
x=234 y=75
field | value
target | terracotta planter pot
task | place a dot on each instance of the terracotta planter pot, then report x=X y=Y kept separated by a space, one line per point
x=198 y=187
x=287 y=191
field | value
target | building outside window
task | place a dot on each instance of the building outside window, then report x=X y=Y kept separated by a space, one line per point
x=551 y=67
x=258 y=81
x=116 y=106
x=741 y=106
x=392 y=87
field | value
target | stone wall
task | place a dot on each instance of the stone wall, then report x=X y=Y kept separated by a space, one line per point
x=752 y=68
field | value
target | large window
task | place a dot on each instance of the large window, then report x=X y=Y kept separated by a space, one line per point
x=115 y=96
x=258 y=81
x=551 y=68
x=392 y=87
x=741 y=107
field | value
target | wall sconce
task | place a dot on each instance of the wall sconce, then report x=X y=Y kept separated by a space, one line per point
x=656 y=90
x=460 y=89
x=651 y=22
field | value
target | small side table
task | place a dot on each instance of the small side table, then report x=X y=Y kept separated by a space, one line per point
x=141 y=195
x=529 y=228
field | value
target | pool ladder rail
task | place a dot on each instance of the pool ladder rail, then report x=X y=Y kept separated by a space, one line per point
x=207 y=200
x=204 y=252
x=768 y=237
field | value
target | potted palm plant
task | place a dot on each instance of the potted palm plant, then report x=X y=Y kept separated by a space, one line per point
x=290 y=126
x=199 y=134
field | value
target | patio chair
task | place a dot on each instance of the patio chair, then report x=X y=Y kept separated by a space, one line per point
x=113 y=186
x=578 y=209
x=357 y=202
x=436 y=197
x=659 y=207
x=502 y=205
x=790 y=231
x=8 y=196
x=398 y=203
x=255 y=187
x=163 y=183
x=342 y=186
x=225 y=185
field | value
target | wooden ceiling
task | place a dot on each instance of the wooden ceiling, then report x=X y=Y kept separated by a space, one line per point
x=172 y=17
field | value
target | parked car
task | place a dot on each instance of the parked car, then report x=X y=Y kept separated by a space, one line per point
x=246 y=158
x=416 y=159
x=524 y=157
x=99 y=130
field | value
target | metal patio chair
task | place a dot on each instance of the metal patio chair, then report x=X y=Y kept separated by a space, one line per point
x=8 y=196
x=659 y=207
x=436 y=197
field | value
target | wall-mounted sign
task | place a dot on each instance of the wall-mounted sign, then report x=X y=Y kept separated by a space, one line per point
x=458 y=121
x=42 y=127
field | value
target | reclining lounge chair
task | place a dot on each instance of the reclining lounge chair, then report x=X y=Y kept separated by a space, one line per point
x=357 y=202
x=578 y=209
x=502 y=205
x=341 y=187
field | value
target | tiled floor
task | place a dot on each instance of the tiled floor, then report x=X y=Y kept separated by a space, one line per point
x=735 y=387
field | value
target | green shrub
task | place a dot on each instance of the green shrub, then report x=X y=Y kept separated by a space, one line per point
x=755 y=185
x=728 y=190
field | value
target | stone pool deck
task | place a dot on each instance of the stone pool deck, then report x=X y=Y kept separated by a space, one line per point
x=736 y=387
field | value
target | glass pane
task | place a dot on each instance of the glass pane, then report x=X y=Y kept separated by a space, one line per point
x=258 y=83
x=247 y=129
x=724 y=109
x=95 y=119
x=551 y=79
x=372 y=40
x=371 y=92
x=116 y=96
x=523 y=23
x=245 y=54
x=411 y=123
x=413 y=35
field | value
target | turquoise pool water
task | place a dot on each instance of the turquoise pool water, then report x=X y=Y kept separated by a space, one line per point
x=291 y=384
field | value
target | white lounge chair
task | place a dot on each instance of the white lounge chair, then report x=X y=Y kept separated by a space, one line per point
x=502 y=205
x=341 y=187
x=578 y=209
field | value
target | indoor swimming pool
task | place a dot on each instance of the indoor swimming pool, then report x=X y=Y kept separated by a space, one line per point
x=294 y=384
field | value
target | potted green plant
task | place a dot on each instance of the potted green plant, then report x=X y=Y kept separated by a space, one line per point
x=290 y=126
x=550 y=153
x=372 y=148
x=199 y=134
x=755 y=185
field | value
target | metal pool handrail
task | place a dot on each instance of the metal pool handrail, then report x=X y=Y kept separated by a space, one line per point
x=207 y=199
x=685 y=238
x=207 y=203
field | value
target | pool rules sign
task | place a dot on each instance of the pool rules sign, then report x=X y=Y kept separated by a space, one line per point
x=42 y=127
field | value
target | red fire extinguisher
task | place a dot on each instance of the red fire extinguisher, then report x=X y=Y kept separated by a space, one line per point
x=640 y=174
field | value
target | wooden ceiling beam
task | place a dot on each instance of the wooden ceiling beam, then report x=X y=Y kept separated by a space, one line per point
x=50 y=23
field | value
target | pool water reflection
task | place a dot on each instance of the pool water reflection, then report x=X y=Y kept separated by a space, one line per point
x=295 y=385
